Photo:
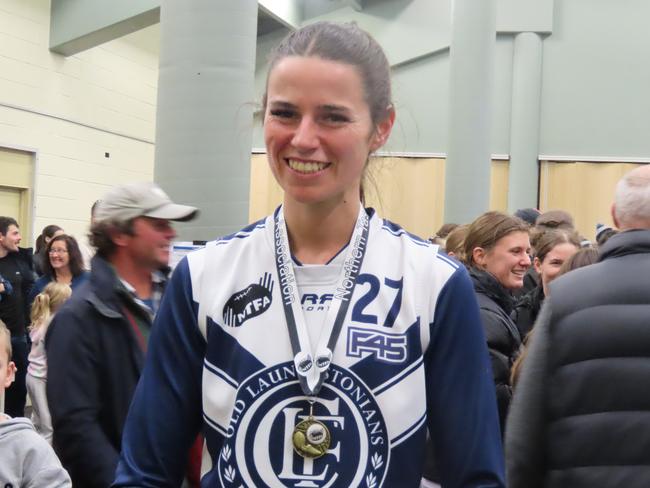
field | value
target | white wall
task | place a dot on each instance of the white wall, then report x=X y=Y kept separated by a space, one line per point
x=71 y=111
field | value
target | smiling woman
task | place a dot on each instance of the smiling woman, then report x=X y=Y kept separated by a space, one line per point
x=497 y=249
x=552 y=248
x=304 y=354
x=64 y=264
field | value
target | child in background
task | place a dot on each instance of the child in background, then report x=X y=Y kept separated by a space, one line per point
x=45 y=305
x=27 y=461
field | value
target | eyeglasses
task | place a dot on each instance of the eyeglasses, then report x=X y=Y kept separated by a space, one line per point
x=58 y=251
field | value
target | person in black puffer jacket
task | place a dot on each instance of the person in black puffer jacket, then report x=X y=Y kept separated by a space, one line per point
x=580 y=416
x=497 y=250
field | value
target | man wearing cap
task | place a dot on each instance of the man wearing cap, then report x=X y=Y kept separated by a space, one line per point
x=97 y=341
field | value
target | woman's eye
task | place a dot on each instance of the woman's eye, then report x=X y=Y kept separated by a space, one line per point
x=336 y=118
x=282 y=113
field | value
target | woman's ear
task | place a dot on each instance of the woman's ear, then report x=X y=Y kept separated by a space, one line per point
x=479 y=256
x=383 y=130
x=538 y=265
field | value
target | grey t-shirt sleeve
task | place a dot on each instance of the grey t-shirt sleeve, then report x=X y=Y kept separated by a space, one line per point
x=525 y=427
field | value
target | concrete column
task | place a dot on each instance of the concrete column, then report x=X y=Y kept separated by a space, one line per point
x=205 y=110
x=523 y=177
x=469 y=154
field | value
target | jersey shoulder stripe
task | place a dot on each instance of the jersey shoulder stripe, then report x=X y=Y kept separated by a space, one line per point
x=397 y=231
x=243 y=233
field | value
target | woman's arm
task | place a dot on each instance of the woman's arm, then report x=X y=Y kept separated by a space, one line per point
x=462 y=412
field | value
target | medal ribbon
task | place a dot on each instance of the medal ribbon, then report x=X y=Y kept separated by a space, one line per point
x=312 y=371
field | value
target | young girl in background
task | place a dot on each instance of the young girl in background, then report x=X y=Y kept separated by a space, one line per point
x=44 y=307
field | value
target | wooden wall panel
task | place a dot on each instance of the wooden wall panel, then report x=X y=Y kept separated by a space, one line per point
x=585 y=190
x=265 y=193
x=408 y=191
x=16 y=176
x=499 y=185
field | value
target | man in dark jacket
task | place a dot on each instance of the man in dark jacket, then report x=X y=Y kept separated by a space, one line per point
x=96 y=342
x=580 y=416
x=16 y=269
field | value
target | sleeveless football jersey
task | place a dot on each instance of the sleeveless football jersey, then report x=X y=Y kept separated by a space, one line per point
x=411 y=356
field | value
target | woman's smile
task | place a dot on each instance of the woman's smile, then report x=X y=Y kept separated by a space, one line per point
x=318 y=130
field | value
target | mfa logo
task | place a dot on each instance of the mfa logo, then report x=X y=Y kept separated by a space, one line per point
x=250 y=302
x=258 y=449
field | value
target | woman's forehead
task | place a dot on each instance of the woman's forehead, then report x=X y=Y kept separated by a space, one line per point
x=297 y=76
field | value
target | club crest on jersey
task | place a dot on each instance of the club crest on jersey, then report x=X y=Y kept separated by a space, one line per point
x=389 y=348
x=250 y=302
x=258 y=450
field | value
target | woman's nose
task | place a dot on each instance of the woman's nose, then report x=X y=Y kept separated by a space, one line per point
x=306 y=134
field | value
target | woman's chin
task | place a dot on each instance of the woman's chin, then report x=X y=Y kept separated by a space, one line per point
x=514 y=285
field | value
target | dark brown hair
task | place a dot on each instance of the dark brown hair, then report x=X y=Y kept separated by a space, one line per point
x=48 y=231
x=100 y=235
x=486 y=231
x=555 y=219
x=545 y=241
x=5 y=223
x=76 y=262
x=445 y=229
x=345 y=43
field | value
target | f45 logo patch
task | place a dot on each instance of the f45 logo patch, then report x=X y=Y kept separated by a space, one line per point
x=389 y=348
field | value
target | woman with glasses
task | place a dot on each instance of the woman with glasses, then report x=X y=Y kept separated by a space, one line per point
x=64 y=264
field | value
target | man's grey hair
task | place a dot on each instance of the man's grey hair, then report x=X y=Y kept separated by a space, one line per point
x=632 y=199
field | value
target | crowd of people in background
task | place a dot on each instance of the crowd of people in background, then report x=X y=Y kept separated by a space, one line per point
x=511 y=259
x=122 y=370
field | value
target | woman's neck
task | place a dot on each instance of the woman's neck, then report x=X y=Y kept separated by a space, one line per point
x=318 y=232
x=63 y=275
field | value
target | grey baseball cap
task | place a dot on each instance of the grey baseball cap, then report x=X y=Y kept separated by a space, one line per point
x=142 y=199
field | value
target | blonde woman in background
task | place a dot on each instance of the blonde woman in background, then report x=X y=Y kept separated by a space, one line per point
x=44 y=307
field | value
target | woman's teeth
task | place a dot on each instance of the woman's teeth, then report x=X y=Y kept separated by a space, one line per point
x=306 y=167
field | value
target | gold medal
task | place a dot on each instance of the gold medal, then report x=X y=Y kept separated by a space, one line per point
x=311 y=438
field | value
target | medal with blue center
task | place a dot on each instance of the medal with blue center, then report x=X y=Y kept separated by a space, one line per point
x=311 y=438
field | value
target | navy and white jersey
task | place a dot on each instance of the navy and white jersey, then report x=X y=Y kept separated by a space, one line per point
x=411 y=356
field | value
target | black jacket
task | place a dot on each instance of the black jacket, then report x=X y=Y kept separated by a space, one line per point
x=531 y=281
x=503 y=339
x=581 y=413
x=94 y=363
x=527 y=309
x=17 y=268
